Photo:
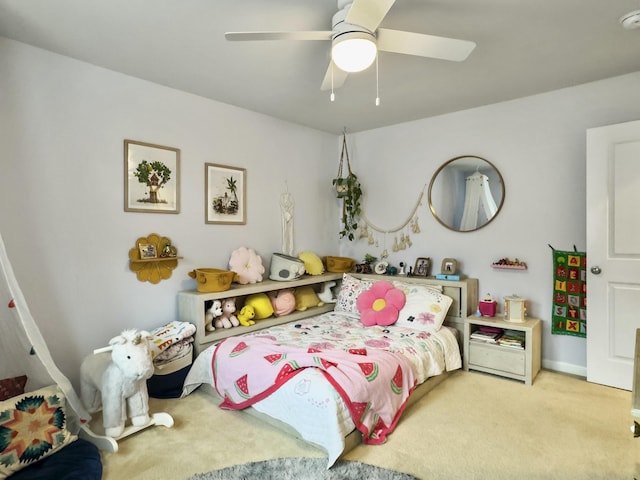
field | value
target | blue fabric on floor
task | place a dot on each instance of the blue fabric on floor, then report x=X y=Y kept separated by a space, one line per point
x=80 y=460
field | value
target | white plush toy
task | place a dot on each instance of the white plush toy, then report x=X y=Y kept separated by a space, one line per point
x=326 y=294
x=117 y=381
x=214 y=312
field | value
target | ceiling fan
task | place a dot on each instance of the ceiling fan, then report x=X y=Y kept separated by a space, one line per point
x=356 y=38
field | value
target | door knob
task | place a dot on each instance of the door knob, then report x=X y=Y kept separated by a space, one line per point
x=596 y=270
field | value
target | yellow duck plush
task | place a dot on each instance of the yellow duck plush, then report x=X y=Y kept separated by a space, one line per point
x=306 y=297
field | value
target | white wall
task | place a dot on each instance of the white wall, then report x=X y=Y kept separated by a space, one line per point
x=538 y=144
x=62 y=128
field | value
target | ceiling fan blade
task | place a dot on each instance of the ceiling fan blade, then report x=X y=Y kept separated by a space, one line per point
x=423 y=45
x=253 y=36
x=368 y=13
x=339 y=77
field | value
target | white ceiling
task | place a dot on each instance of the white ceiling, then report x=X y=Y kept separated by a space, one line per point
x=523 y=48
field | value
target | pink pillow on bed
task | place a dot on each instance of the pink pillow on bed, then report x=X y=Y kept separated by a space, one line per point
x=380 y=305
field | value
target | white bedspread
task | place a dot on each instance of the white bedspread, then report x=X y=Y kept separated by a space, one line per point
x=308 y=402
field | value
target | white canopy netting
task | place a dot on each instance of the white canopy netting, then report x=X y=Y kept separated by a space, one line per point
x=23 y=350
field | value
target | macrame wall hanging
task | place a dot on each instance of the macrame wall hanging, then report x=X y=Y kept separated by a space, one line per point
x=286 y=209
x=356 y=224
x=402 y=233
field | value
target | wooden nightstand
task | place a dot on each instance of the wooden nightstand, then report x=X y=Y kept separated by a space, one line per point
x=512 y=362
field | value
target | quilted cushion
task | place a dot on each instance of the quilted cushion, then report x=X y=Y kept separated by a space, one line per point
x=32 y=426
x=425 y=308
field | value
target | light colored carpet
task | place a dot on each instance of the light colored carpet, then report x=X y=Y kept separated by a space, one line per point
x=472 y=426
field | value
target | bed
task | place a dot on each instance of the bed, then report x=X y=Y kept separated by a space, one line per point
x=316 y=399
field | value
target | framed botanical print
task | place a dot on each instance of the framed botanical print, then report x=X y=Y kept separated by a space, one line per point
x=151 y=178
x=225 y=194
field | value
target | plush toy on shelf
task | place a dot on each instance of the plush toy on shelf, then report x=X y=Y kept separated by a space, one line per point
x=283 y=301
x=115 y=379
x=261 y=305
x=227 y=319
x=326 y=294
x=245 y=317
x=306 y=297
x=214 y=312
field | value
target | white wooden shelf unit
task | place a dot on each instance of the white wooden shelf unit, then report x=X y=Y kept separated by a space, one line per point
x=191 y=307
x=519 y=364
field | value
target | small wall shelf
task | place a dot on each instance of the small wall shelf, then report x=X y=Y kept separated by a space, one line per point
x=506 y=264
x=161 y=261
x=509 y=267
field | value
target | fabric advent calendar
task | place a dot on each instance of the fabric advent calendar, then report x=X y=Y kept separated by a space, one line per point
x=569 y=293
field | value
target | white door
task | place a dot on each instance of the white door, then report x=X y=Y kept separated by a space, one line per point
x=613 y=252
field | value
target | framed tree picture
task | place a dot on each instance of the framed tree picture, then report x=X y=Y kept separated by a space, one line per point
x=151 y=178
x=225 y=194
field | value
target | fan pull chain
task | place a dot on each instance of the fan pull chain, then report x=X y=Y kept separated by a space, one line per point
x=333 y=96
x=377 y=84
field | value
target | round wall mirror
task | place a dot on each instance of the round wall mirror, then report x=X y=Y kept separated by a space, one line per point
x=466 y=193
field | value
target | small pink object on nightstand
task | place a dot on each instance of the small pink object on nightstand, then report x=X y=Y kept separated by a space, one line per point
x=488 y=308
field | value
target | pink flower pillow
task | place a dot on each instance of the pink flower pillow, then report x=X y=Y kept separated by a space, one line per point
x=380 y=305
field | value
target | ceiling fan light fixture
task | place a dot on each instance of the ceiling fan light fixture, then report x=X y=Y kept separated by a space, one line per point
x=354 y=51
x=631 y=20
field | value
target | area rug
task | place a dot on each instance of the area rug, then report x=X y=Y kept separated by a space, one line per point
x=303 y=469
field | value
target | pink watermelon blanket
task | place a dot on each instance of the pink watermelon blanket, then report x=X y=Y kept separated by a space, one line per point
x=374 y=384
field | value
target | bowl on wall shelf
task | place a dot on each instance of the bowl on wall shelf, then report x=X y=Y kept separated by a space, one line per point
x=212 y=279
x=506 y=264
x=339 y=264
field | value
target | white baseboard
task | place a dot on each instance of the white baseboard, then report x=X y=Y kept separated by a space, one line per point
x=570 y=368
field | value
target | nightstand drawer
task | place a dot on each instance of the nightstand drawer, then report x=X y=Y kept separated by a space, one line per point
x=498 y=358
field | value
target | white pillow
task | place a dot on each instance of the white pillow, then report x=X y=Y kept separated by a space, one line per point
x=350 y=290
x=407 y=285
x=425 y=307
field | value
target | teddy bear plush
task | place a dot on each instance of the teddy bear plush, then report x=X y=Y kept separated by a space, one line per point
x=116 y=382
x=214 y=312
x=261 y=305
x=245 y=317
x=227 y=319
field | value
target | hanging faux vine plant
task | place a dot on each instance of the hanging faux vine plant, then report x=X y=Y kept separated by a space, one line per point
x=348 y=189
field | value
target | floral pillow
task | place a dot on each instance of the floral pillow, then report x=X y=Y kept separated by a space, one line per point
x=425 y=307
x=32 y=426
x=350 y=290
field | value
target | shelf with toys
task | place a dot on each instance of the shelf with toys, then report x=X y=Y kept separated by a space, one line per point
x=193 y=306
